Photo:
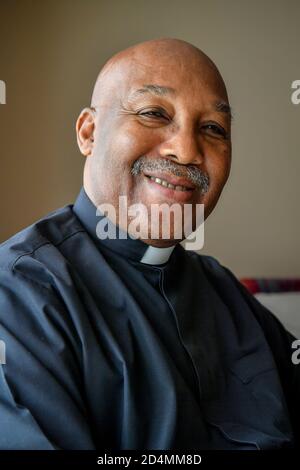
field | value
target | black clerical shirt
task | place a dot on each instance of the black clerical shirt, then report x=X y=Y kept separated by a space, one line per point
x=105 y=349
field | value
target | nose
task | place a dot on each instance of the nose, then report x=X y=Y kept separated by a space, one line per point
x=183 y=146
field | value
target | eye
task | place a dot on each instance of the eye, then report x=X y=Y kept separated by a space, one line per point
x=154 y=113
x=215 y=129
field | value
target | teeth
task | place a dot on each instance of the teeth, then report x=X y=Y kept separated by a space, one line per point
x=167 y=185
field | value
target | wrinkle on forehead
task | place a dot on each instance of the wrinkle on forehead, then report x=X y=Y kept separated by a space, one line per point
x=151 y=58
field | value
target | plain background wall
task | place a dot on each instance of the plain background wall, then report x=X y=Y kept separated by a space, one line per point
x=50 y=54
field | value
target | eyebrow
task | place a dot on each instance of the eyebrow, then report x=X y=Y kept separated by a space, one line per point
x=157 y=90
x=223 y=107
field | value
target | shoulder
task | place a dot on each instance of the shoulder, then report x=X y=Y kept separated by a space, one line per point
x=232 y=290
x=25 y=253
x=208 y=262
x=219 y=275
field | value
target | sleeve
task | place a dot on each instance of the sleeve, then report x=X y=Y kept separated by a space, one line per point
x=41 y=392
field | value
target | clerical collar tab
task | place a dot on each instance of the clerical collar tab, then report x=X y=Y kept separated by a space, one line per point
x=155 y=255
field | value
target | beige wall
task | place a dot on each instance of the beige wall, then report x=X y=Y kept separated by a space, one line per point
x=50 y=54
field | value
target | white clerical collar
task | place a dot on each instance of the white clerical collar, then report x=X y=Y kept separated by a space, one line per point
x=155 y=255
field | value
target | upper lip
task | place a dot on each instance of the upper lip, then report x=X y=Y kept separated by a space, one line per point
x=175 y=180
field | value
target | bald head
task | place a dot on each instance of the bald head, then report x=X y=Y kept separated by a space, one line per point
x=160 y=56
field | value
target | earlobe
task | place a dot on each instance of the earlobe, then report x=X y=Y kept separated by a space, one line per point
x=85 y=126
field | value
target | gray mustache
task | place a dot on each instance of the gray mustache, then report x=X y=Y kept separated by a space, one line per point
x=191 y=173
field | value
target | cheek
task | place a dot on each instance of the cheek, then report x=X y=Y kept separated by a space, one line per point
x=218 y=167
x=114 y=155
x=130 y=142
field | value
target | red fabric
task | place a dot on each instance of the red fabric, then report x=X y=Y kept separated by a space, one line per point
x=255 y=285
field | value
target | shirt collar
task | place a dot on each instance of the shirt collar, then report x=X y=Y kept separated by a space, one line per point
x=128 y=247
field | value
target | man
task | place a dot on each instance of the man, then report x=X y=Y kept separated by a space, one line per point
x=132 y=342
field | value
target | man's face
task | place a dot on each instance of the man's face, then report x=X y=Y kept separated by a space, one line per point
x=157 y=121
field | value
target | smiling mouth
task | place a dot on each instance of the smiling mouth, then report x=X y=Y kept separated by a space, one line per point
x=166 y=184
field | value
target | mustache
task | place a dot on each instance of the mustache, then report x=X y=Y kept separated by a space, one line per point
x=193 y=174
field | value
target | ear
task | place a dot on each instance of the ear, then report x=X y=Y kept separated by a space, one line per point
x=85 y=126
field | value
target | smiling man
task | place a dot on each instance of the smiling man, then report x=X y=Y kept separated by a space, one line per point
x=158 y=110
x=131 y=341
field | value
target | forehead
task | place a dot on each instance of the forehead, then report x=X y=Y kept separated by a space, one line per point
x=172 y=79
